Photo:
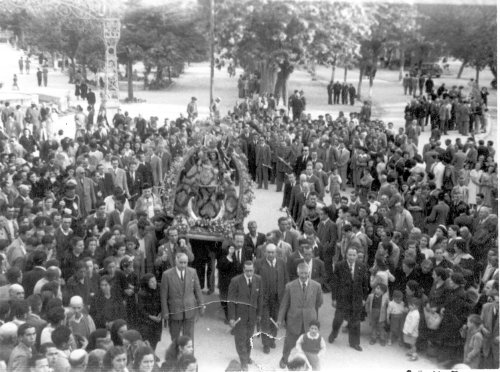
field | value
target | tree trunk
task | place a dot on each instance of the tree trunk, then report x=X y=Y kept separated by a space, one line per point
x=345 y=73
x=478 y=70
x=334 y=65
x=370 y=90
x=73 y=67
x=159 y=74
x=360 y=82
x=147 y=71
x=401 y=63
x=267 y=77
x=313 y=70
x=459 y=75
x=130 y=81
x=84 y=71
x=493 y=68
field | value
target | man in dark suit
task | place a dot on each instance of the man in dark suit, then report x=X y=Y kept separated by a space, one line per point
x=91 y=98
x=103 y=183
x=134 y=182
x=30 y=278
x=289 y=235
x=245 y=309
x=298 y=198
x=284 y=158
x=252 y=240
x=312 y=180
x=327 y=235
x=263 y=161
x=300 y=305
x=144 y=168
x=337 y=88
x=272 y=271
x=316 y=266
x=287 y=192
x=301 y=161
x=181 y=297
x=252 y=144
x=349 y=291
x=120 y=215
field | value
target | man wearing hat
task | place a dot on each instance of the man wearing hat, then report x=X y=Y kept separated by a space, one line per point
x=192 y=109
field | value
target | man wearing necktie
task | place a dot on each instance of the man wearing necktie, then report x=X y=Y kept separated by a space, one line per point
x=245 y=309
x=181 y=297
x=301 y=301
x=274 y=275
x=349 y=291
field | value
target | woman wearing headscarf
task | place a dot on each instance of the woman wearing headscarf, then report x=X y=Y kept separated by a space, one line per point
x=149 y=310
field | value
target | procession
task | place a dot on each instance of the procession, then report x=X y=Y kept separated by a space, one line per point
x=299 y=213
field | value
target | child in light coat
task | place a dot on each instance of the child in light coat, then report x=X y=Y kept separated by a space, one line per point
x=376 y=308
x=395 y=317
x=410 y=328
x=473 y=340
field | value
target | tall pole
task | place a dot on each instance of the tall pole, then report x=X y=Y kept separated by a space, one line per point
x=212 y=53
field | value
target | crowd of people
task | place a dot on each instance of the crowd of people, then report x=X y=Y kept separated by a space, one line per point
x=92 y=266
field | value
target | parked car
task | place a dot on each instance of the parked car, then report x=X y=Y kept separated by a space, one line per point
x=429 y=69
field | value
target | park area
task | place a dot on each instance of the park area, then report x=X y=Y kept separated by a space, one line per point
x=165 y=53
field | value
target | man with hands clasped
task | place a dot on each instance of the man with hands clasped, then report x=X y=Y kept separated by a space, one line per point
x=245 y=309
x=349 y=291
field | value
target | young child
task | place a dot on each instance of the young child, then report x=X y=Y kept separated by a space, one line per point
x=376 y=308
x=312 y=345
x=473 y=340
x=410 y=328
x=395 y=317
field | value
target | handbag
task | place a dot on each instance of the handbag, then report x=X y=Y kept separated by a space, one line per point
x=432 y=319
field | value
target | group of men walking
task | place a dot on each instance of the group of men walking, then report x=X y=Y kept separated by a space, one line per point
x=344 y=93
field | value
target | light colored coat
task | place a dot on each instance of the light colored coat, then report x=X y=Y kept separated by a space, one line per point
x=299 y=308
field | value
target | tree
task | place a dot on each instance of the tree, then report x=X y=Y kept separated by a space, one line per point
x=163 y=38
x=465 y=32
x=271 y=38
x=338 y=28
x=389 y=21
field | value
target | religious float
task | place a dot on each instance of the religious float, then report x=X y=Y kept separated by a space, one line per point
x=208 y=189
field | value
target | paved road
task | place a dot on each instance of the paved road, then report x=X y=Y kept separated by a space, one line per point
x=214 y=345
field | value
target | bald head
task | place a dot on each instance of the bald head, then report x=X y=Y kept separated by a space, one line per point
x=270 y=251
x=16 y=292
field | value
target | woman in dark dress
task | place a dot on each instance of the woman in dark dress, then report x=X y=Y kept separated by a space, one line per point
x=228 y=268
x=130 y=293
x=149 y=310
x=105 y=307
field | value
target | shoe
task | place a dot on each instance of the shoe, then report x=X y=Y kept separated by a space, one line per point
x=372 y=342
x=382 y=343
x=413 y=358
x=282 y=363
x=267 y=349
x=331 y=338
x=357 y=347
x=250 y=361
